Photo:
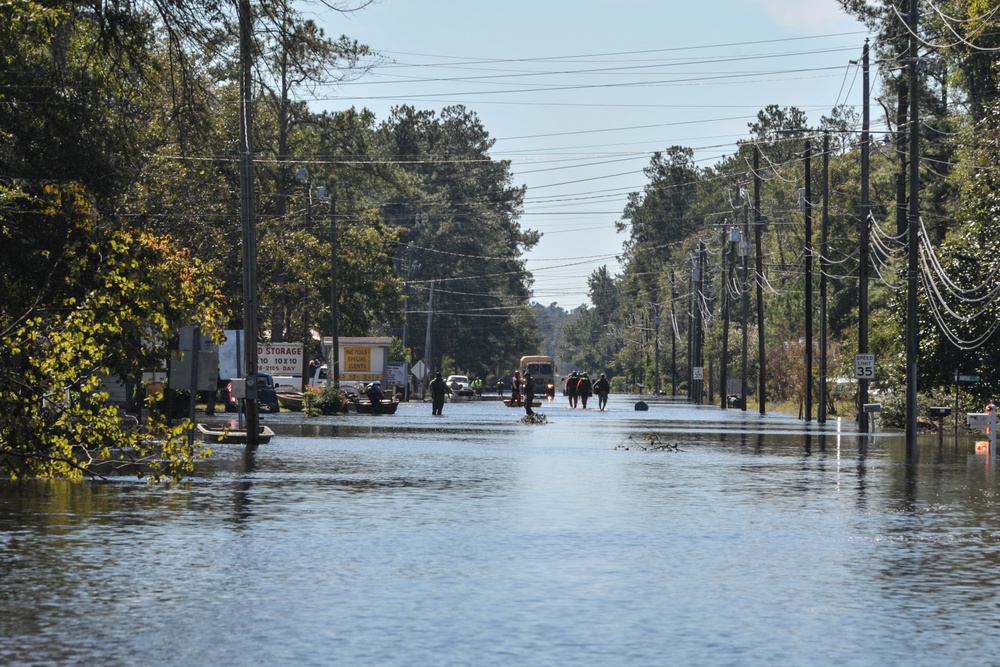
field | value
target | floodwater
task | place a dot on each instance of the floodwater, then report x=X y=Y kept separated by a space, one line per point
x=474 y=539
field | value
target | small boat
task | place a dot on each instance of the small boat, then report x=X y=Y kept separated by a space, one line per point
x=520 y=404
x=291 y=401
x=231 y=436
x=367 y=408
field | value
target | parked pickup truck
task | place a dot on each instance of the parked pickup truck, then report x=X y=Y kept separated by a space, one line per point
x=267 y=397
x=285 y=384
x=318 y=380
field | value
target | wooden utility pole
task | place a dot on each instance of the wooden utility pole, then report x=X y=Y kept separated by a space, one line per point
x=745 y=293
x=727 y=282
x=808 y=282
x=865 y=241
x=823 y=270
x=334 y=364
x=249 y=225
x=700 y=343
x=673 y=335
x=428 y=339
x=690 y=332
x=912 y=240
x=656 y=348
x=758 y=224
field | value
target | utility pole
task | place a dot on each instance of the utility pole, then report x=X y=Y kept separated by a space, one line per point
x=702 y=266
x=745 y=291
x=673 y=335
x=865 y=241
x=912 y=240
x=690 y=331
x=428 y=351
x=249 y=225
x=334 y=295
x=823 y=270
x=758 y=225
x=808 y=282
x=727 y=278
x=656 y=347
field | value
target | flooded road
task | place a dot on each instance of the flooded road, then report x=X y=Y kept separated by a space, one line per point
x=474 y=539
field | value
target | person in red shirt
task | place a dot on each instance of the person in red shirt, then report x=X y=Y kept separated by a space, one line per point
x=571 y=391
x=585 y=389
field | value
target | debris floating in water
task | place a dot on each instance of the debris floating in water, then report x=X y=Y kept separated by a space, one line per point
x=536 y=418
x=651 y=442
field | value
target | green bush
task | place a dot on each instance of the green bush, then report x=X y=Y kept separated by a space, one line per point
x=893 y=412
x=324 y=401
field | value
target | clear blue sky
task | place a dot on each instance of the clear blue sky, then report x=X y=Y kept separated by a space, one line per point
x=578 y=94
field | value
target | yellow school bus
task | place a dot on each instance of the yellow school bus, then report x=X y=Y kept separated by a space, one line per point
x=543 y=372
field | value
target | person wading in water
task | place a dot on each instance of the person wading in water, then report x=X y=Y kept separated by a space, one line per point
x=529 y=393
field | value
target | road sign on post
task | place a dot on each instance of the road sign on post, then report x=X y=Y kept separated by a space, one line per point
x=864 y=366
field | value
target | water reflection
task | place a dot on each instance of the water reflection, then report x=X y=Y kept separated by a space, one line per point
x=476 y=539
x=242 y=499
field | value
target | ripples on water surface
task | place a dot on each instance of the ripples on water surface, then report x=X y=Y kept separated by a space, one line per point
x=472 y=539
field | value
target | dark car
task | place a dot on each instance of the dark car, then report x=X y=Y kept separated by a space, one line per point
x=267 y=398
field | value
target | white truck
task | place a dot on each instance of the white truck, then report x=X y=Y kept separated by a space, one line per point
x=543 y=372
x=319 y=378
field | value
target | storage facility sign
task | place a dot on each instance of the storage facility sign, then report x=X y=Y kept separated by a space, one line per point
x=280 y=358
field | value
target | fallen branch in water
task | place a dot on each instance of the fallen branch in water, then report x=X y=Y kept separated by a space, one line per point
x=537 y=418
x=651 y=442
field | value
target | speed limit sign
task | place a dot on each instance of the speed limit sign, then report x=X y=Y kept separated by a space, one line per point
x=864 y=366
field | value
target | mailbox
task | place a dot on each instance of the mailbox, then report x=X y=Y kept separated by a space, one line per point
x=939 y=411
x=978 y=419
x=873 y=407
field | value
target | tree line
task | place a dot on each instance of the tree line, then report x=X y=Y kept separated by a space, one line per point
x=120 y=219
x=120 y=214
x=644 y=319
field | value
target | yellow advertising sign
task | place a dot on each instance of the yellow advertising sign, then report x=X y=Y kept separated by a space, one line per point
x=358 y=360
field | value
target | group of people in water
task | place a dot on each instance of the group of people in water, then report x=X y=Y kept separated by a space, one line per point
x=579 y=389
